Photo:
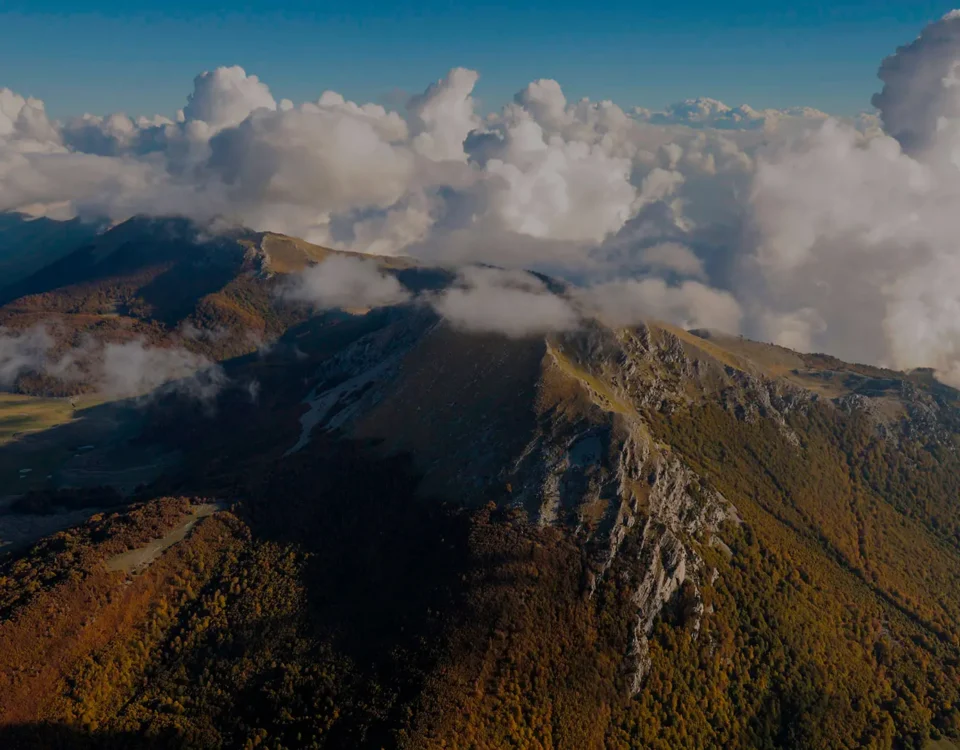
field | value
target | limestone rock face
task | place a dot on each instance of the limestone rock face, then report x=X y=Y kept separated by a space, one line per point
x=562 y=427
x=597 y=468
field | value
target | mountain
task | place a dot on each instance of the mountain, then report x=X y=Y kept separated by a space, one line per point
x=406 y=535
x=28 y=244
x=164 y=281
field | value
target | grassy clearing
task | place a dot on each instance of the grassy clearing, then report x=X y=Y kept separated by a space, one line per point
x=28 y=439
x=22 y=414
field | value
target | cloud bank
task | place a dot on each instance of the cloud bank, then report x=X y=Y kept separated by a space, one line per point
x=856 y=234
x=815 y=232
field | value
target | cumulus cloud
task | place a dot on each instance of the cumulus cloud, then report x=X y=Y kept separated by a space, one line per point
x=512 y=303
x=294 y=169
x=444 y=115
x=358 y=176
x=353 y=175
x=546 y=103
x=856 y=232
x=343 y=281
x=103 y=136
x=920 y=100
x=389 y=232
x=25 y=120
x=547 y=187
x=815 y=232
x=389 y=125
x=704 y=112
x=226 y=97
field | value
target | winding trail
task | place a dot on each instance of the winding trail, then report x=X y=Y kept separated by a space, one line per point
x=136 y=560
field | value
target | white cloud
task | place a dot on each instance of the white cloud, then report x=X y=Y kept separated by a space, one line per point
x=551 y=188
x=22 y=352
x=389 y=232
x=104 y=136
x=835 y=183
x=689 y=304
x=862 y=228
x=920 y=100
x=225 y=97
x=302 y=165
x=338 y=172
x=444 y=115
x=513 y=303
x=343 y=281
x=389 y=125
x=673 y=257
x=134 y=369
x=795 y=330
x=130 y=369
x=546 y=103
x=704 y=112
x=829 y=234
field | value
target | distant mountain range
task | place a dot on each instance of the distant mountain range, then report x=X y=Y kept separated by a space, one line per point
x=391 y=532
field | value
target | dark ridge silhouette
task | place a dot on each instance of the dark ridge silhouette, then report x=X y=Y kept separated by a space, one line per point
x=52 y=736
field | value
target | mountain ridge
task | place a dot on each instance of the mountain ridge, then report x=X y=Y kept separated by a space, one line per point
x=430 y=537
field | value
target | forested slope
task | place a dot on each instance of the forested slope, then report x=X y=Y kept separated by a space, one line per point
x=673 y=545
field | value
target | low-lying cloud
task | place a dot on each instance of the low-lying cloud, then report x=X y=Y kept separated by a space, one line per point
x=513 y=303
x=815 y=232
x=134 y=369
x=517 y=303
x=22 y=353
x=343 y=281
x=131 y=369
x=689 y=304
x=672 y=258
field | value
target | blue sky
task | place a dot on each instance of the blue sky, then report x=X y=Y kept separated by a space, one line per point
x=140 y=57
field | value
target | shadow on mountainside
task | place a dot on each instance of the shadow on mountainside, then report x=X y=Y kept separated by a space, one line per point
x=385 y=571
x=94 y=454
x=47 y=736
x=165 y=441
